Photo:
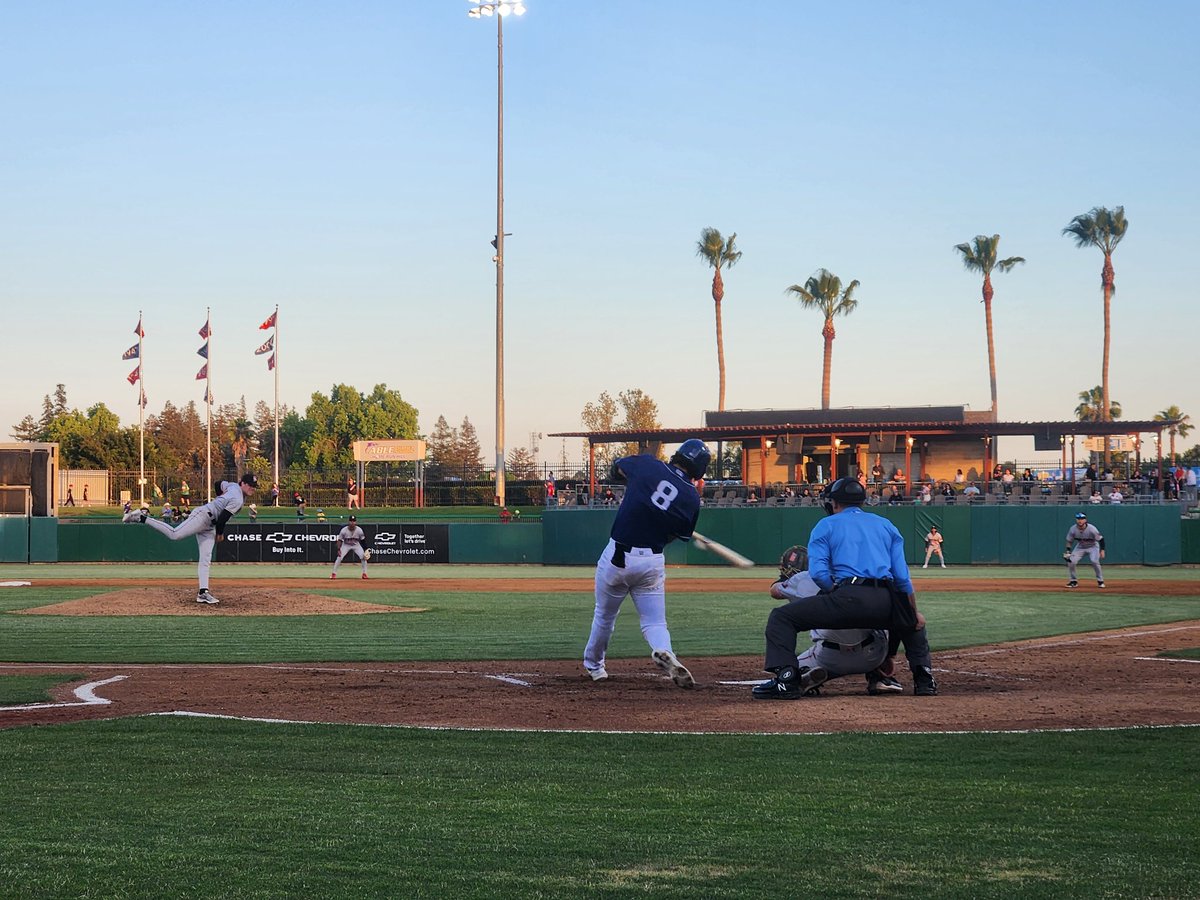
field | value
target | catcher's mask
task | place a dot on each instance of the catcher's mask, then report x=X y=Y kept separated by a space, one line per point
x=794 y=559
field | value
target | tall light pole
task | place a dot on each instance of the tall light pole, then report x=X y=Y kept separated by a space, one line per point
x=500 y=9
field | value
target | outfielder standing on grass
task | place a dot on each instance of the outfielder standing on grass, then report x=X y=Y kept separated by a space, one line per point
x=857 y=560
x=661 y=504
x=206 y=522
x=1082 y=540
x=933 y=544
x=349 y=540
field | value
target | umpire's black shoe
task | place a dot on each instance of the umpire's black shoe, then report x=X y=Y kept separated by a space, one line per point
x=784 y=686
x=923 y=682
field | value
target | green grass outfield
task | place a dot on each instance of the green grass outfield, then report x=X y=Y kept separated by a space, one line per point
x=168 y=807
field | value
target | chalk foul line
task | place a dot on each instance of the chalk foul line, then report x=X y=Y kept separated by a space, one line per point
x=86 y=694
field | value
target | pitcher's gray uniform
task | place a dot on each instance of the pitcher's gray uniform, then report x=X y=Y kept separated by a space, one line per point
x=349 y=541
x=841 y=651
x=206 y=522
x=1084 y=540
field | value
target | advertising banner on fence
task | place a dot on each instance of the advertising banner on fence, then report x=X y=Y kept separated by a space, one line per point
x=317 y=543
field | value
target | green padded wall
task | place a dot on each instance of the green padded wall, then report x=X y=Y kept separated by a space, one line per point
x=14 y=539
x=43 y=539
x=486 y=542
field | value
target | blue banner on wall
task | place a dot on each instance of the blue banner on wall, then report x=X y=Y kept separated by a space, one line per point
x=317 y=543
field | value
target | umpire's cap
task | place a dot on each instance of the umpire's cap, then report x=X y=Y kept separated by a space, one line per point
x=1081 y=515
x=251 y=479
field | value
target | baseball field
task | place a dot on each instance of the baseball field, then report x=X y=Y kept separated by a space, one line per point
x=436 y=736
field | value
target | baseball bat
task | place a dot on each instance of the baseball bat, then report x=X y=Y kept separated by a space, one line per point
x=730 y=556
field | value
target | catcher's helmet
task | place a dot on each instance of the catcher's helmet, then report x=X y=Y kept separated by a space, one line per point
x=693 y=457
x=846 y=491
x=794 y=559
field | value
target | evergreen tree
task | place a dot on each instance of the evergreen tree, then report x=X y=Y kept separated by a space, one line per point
x=470 y=454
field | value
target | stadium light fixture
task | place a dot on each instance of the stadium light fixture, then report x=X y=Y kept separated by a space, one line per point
x=502 y=9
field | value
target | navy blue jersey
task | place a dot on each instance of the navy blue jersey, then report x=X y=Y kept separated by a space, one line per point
x=660 y=504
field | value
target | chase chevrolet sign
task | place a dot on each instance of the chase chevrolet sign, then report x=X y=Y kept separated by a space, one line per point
x=317 y=543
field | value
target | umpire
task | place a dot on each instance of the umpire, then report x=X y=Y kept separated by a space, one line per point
x=857 y=559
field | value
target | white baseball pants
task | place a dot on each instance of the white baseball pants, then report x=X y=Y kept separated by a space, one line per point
x=1093 y=555
x=199 y=524
x=350 y=548
x=855 y=660
x=644 y=579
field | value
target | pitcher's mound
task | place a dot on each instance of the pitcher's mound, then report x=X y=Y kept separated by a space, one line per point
x=174 y=600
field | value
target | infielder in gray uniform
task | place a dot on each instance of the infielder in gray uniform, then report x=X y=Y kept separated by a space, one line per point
x=349 y=540
x=206 y=522
x=1084 y=540
x=834 y=652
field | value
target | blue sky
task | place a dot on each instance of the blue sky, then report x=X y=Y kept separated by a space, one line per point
x=340 y=161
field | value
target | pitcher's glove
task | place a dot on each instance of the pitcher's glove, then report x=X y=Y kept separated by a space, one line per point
x=1066 y=554
x=366 y=555
x=794 y=560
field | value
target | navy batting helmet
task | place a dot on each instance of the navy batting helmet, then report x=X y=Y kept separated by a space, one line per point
x=693 y=457
x=846 y=491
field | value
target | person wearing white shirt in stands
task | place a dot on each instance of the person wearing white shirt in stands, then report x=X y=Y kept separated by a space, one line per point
x=1116 y=496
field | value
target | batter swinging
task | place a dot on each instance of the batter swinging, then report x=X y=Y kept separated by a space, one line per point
x=661 y=504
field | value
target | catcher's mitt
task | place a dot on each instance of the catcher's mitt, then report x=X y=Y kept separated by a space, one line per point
x=794 y=559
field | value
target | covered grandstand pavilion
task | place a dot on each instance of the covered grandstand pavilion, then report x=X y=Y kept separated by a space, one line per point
x=911 y=444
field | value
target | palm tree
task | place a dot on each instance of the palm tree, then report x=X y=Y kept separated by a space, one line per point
x=1102 y=228
x=980 y=256
x=824 y=291
x=1091 y=406
x=718 y=253
x=1183 y=424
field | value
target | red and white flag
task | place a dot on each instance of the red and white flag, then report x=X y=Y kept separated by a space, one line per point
x=138 y=331
x=270 y=323
x=205 y=331
x=267 y=347
x=203 y=373
x=270 y=362
x=133 y=376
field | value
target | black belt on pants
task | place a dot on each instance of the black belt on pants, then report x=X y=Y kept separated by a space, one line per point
x=833 y=645
x=619 y=551
x=866 y=582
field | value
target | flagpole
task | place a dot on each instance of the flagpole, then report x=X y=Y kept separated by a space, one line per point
x=275 y=479
x=141 y=418
x=208 y=407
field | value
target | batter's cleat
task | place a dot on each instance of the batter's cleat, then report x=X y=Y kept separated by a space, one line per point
x=598 y=674
x=1100 y=584
x=924 y=684
x=784 y=686
x=667 y=661
x=883 y=684
x=1072 y=584
x=364 y=578
x=205 y=597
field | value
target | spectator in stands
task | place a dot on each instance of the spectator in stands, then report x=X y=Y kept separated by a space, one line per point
x=352 y=494
x=959 y=477
x=1096 y=498
x=877 y=472
x=168 y=514
x=1116 y=496
x=1189 y=480
x=926 y=493
x=971 y=491
x=608 y=497
x=273 y=497
x=505 y=515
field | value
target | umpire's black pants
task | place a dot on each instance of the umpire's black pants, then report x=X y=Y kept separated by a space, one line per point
x=846 y=606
